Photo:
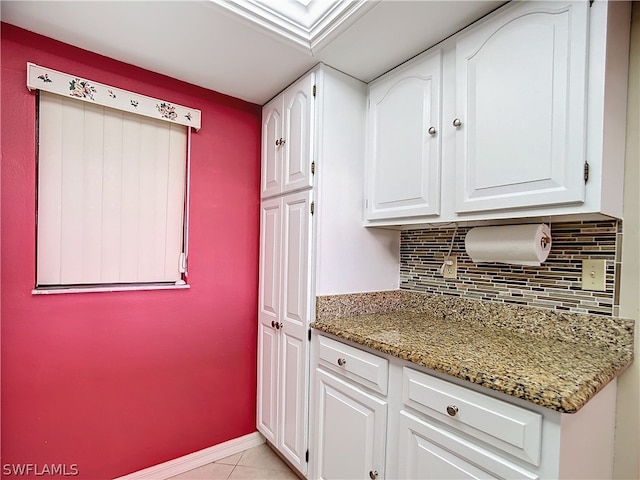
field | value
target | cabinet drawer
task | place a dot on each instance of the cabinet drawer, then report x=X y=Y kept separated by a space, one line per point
x=362 y=367
x=512 y=429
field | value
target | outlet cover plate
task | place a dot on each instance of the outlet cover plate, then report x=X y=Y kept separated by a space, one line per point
x=594 y=275
x=451 y=271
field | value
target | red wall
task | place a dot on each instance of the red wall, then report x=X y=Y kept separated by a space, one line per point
x=116 y=382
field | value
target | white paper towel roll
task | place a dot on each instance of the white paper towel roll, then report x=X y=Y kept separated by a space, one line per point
x=513 y=244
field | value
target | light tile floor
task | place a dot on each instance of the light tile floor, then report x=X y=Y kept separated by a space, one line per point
x=259 y=463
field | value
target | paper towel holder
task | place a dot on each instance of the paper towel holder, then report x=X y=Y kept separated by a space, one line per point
x=545 y=242
x=524 y=244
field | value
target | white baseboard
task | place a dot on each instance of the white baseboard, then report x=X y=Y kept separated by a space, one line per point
x=197 y=459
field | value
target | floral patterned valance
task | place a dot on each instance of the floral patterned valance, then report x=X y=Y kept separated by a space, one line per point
x=42 y=78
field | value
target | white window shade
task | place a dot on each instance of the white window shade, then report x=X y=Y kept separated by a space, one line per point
x=111 y=195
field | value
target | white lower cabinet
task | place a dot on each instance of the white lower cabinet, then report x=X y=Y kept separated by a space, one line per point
x=350 y=419
x=509 y=428
x=431 y=451
x=351 y=430
x=421 y=424
x=446 y=434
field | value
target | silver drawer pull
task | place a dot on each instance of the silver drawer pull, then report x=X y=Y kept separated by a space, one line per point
x=452 y=410
x=457 y=122
x=342 y=362
x=373 y=474
x=432 y=130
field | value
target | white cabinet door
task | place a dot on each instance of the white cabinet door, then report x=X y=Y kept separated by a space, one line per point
x=520 y=95
x=268 y=315
x=271 y=174
x=429 y=451
x=423 y=459
x=350 y=431
x=298 y=135
x=270 y=251
x=287 y=140
x=268 y=379
x=283 y=317
x=295 y=264
x=404 y=141
x=296 y=258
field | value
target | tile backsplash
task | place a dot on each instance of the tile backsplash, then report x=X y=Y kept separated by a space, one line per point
x=556 y=284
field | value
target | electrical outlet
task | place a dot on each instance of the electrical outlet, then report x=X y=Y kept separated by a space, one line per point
x=450 y=267
x=594 y=275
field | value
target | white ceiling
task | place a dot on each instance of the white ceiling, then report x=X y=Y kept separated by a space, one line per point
x=221 y=45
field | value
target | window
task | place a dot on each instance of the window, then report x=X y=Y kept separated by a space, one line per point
x=112 y=192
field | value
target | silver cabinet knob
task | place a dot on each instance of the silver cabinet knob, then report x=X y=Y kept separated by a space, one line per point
x=342 y=362
x=373 y=474
x=278 y=325
x=452 y=410
x=273 y=323
x=280 y=142
x=432 y=130
x=457 y=122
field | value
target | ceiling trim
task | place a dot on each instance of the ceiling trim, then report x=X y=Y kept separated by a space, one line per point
x=309 y=24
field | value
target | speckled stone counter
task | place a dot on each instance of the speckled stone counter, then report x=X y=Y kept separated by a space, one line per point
x=554 y=359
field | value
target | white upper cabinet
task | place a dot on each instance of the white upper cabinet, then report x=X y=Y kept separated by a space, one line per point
x=403 y=146
x=271 y=177
x=532 y=101
x=521 y=84
x=287 y=126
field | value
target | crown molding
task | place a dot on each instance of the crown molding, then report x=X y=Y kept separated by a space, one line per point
x=308 y=24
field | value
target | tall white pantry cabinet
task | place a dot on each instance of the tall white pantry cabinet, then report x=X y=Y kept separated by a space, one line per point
x=312 y=240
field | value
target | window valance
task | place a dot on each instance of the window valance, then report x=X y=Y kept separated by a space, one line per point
x=42 y=78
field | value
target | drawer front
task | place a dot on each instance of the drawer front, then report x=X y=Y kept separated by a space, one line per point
x=510 y=428
x=362 y=367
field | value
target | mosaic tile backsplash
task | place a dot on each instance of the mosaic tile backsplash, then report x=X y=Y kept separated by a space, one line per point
x=556 y=284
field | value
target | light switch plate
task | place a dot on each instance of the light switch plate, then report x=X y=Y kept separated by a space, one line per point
x=594 y=275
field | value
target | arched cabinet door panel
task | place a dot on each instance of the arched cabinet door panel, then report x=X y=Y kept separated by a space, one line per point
x=404 y=141
x=271 y=175
x=287 y=140
x=297 y=137
x=521 y=108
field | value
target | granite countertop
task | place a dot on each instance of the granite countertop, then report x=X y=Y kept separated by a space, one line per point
x=554 y=359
